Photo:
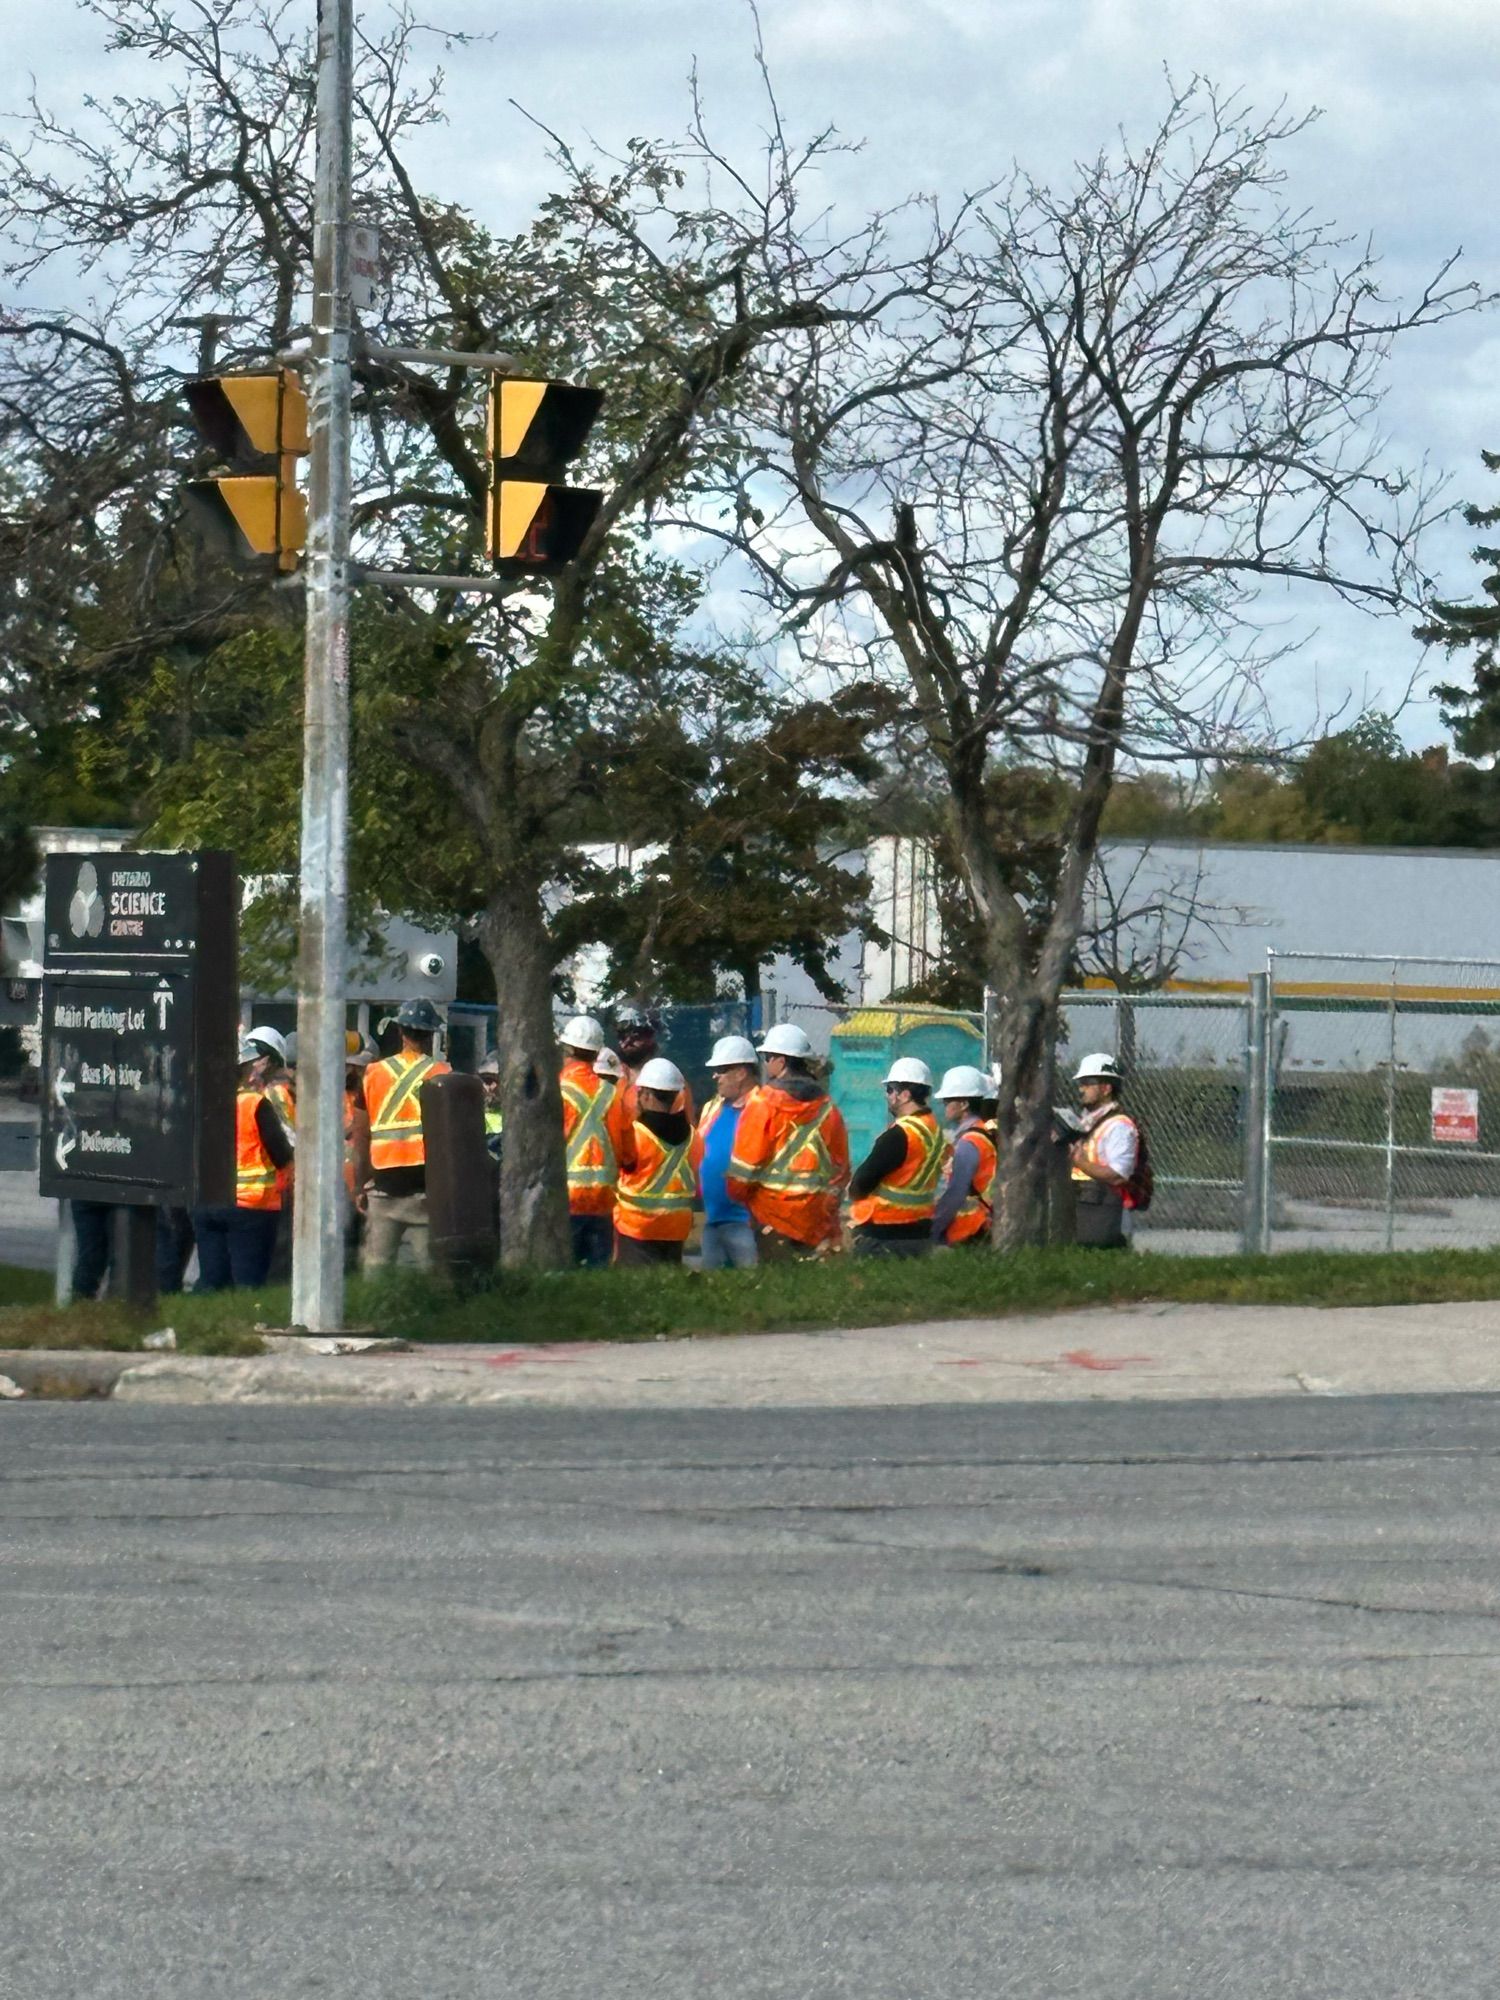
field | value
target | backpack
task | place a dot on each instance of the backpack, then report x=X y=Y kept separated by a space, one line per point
x=1142 y=1183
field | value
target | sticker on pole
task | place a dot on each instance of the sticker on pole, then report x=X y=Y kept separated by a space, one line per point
x=1455 y=1117
x=364 y=268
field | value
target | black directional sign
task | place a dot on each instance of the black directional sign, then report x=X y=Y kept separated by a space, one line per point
x=139 y=1006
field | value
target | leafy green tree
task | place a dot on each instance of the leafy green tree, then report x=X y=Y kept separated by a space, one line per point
x=635 y=274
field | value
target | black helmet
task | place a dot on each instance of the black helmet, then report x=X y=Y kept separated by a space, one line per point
x=420 y=1016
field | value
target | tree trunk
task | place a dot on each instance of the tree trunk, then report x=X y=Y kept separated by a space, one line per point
x=533 y=1180
x=1026 y=1034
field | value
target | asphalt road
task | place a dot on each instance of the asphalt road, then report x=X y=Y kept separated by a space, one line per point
x=1143 y=1700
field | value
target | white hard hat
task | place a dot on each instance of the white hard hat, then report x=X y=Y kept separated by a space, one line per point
x=582 y=1032
x=659 y=1074
x=607 y=1063
x=1097 y=1069
x=964 y=1081
x=251 y=1052
x=273 y=1043
x=730 y=1050
x=909 y=1069
x=787 y=1039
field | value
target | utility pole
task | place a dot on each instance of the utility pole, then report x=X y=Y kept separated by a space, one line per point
x=318 y=1238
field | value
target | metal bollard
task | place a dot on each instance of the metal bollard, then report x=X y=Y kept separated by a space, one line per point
x=132 y=1270
x=462 y=1212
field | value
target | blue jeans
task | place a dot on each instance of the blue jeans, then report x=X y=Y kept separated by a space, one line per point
x=729 y=1246
x=593 y=1239
x=234 y=1247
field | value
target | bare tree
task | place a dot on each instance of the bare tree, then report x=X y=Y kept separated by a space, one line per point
x=1147 y=916
x=1046 y=487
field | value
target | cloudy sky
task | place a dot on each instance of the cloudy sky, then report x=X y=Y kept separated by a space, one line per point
x=945 y=93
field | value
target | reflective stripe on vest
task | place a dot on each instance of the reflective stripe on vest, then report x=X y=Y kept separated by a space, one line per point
x=256 y=1182
x=778 y=1176
x=668 y=1185
x=919 y=1190
x=591 y=1129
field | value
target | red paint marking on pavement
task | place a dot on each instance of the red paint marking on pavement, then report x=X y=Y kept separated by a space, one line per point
x=1080 y=1357
x=513 y=1357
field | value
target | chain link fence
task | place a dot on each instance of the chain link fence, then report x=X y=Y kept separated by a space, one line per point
x=1338 y=1103
x=1382 y=1103
x=1186 y=1058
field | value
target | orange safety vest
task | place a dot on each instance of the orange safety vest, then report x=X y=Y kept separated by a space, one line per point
x=790 y=1160
x=910 y=1193
x=393 y=1097
x=654 y=1200
x=595 y=1132
x=1091 y=1139
x=284 y=1103
x=256 y=1183
x=974 y=1216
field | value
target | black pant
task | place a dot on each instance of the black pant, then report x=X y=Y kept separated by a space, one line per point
x=234 y=1246
x=93 y=1225
x=593 y=1239
x=1099 y=1217
x=640 y=1250
x=174 y=1246
x=901 y=1239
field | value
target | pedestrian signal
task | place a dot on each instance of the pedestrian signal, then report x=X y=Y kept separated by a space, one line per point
x=533 y=524
x=254 y=516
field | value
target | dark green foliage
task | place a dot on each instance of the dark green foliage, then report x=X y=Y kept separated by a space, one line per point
x=1472 y=711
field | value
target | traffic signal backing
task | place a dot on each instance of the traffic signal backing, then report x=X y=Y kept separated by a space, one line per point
x=254 y=516
x=534 y=525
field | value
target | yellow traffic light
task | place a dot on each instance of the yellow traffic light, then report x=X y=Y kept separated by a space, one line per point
x=533 y=524
x=255 y=517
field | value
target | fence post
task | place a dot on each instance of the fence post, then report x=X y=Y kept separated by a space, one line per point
x=1390 y=1116
x=1256 y=1233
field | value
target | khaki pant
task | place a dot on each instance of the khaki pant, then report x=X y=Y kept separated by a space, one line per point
x=392 y=1218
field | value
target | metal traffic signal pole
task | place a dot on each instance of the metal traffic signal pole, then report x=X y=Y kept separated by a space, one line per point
x=318 y=1239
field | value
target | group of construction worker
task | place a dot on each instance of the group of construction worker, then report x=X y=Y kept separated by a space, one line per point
x=767 y=1161
x=385 y=1160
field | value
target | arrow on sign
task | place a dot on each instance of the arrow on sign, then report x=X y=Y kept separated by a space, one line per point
x=66 y=1142
x=163 y=996
x=63 y=1087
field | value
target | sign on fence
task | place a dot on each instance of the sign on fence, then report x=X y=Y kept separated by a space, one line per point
x=138 y=1028
x=1455 y=1117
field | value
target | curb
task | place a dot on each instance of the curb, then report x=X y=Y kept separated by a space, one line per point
x=53 y=1374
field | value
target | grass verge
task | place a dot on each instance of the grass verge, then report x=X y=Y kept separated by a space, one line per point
x=640 y=1305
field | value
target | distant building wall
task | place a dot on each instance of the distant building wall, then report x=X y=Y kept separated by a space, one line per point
x=1246 y=901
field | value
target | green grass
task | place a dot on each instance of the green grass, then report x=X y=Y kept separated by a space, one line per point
x=24 y=1288
x=639 y=1305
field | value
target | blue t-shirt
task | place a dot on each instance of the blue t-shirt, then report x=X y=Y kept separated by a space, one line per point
x=718 y=1144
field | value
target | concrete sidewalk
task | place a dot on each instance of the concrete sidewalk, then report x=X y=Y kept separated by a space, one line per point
x=1160 y=1351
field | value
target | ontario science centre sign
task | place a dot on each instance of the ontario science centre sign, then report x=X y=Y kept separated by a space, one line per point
x=139 y=1025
